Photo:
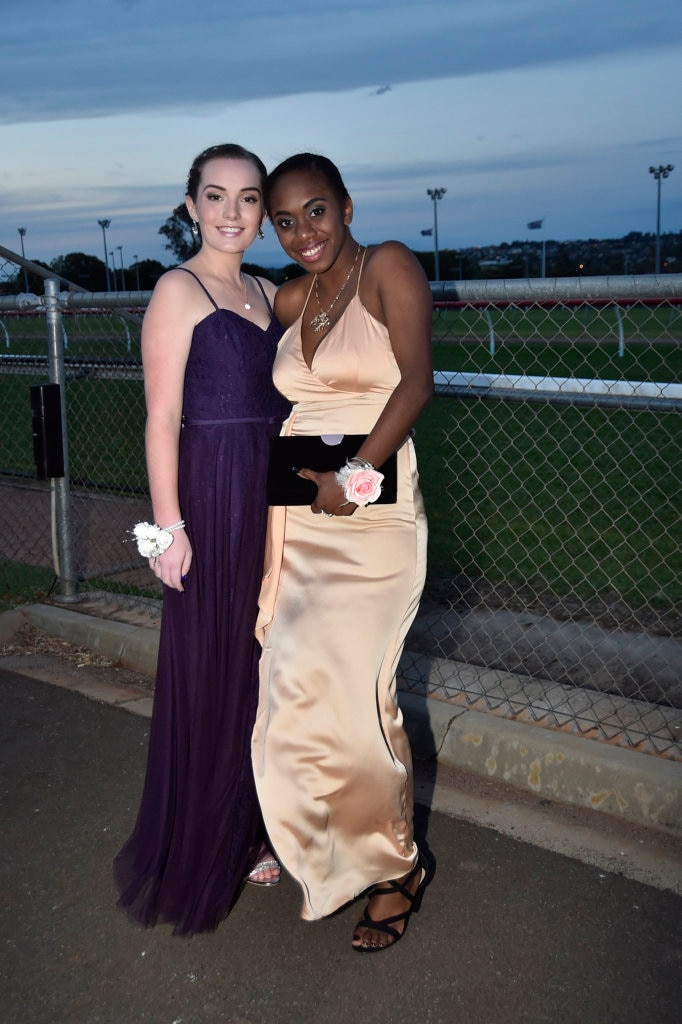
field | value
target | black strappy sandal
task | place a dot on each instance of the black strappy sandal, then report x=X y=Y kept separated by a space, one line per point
x=427 y=866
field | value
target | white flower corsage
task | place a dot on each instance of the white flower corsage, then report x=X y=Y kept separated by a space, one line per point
x=361 y=484
x=153 y=540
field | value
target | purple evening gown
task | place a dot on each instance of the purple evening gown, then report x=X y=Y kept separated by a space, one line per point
x=199 y=820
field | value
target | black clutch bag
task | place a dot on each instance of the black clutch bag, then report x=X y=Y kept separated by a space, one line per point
x=322 y=454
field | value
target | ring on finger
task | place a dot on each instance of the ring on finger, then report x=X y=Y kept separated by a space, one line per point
x=328 y=515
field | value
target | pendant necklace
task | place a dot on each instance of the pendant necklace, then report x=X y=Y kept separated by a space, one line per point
x=322 y=321
x=247 y=304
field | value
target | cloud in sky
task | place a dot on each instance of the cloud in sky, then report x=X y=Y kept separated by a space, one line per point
x=521 y=108
x=82 y=58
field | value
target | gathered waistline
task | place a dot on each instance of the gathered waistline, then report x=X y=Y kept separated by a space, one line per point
x=233 y=419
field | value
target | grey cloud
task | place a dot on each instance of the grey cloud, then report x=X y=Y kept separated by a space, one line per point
x=141 y=55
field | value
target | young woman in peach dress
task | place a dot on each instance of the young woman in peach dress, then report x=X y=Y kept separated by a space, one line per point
x=343 y=578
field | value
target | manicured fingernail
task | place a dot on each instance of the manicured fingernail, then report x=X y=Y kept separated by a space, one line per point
x=295 y=469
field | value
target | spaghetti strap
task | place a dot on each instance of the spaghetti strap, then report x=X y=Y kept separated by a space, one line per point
x=188 y=271
x=362 y=263
x=310 y=291
x=267 y=300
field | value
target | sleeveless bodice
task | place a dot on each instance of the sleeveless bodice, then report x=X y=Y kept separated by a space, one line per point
x=354 y=358
x=229 y=370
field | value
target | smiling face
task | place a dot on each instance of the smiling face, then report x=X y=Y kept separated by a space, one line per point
x=228 y=205
x=311 y=219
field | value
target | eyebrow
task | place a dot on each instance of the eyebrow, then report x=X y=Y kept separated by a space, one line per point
x=219 y=188
x=311 y=202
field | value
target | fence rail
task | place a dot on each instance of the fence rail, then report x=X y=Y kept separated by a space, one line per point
x=550 y=459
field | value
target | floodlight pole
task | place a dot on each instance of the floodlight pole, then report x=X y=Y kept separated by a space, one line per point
x=123 y=277
x=104 y=224
x=22 y=232
x=658 y=173
x=435 y=194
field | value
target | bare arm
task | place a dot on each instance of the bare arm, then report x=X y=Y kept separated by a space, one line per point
x=399 y=296
x=166 y=338
x=396 y=292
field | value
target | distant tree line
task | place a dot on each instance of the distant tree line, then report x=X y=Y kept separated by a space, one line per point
x=91 y=274
x=632 y=254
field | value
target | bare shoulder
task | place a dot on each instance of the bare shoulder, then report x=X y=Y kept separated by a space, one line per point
x=174 y=286
x=290 y=299
x=393 y=270
x=390 y=256
x=176 y=305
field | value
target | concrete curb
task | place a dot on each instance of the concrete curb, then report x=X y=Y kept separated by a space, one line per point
x=638 y=788
x=134 y=647
x=642 y=789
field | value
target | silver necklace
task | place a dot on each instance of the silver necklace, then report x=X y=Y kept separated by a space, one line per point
x=322 y=321
x=247 y=304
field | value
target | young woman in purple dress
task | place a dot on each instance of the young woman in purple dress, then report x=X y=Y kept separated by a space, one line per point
x=208 y=343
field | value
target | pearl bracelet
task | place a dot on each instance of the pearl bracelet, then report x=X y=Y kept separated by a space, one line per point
x=176 y=526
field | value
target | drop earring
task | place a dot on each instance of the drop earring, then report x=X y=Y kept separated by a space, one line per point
x=195 y=229
x=261 y=233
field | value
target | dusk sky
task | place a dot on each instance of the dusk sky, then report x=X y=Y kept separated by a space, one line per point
x=521 y=109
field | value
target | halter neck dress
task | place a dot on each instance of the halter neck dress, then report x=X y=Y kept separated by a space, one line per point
x=198 y=820
x=331 y=758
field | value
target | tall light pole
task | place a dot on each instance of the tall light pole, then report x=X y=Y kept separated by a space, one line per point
x=104 y=224
x=123 y=277
x=22 y=232
x=137 y=272
x=658 y=173
x=113 y=271
x=435 y=194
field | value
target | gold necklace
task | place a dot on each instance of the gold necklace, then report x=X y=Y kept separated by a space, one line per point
x=322 y=321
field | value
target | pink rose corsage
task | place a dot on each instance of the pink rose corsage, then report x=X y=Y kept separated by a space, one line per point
x=361 y=485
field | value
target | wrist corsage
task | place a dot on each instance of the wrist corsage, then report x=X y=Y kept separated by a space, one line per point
x=153 y=540
x=361 y=482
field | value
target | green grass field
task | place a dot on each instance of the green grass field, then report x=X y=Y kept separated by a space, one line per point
x=23 y=584
x=574 y=501
x=660 y=362
x=588 y=324
x=580 y=502
x=577 y=339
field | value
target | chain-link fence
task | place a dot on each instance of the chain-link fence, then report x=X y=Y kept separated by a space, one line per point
x=550 y=459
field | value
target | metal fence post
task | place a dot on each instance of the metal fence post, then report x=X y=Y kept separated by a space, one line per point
x=61 y=491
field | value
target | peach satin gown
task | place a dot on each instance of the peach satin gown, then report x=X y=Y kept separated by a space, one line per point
x=331 y=759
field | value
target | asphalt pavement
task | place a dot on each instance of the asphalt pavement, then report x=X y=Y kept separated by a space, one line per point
x=509 y=932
